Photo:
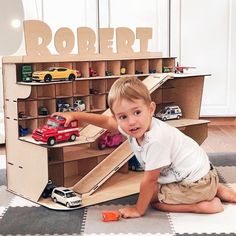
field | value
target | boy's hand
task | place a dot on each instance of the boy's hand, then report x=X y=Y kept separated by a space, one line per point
x=129 y=212
x=69 y=116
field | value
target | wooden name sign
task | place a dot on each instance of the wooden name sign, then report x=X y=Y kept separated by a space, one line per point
x=38 y=36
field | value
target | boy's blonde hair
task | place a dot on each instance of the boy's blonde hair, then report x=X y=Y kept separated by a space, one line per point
x=129 y=88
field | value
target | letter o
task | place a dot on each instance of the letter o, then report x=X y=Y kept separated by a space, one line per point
x=64 y=36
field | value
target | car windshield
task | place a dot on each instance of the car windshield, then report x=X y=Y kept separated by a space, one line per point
x=52 y=124
x=51 y=69
x=71 y=194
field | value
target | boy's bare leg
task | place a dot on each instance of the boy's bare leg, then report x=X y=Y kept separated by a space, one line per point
x=207 y=207
x=225 y=193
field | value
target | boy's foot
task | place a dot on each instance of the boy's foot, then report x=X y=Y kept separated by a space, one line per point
x=213 y=206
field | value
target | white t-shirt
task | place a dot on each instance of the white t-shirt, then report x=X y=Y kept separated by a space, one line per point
x=178 y=156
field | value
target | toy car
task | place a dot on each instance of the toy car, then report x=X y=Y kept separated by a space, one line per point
x=92 y=72
x=152 y=71
x=55 y=131
x=26 y=73
x=42 y=111
x=22 y=114
x=79 y=74
x=169 y=112
x=110 y=216
x=134 y=164
x=47 y=192
x=137 y=72
x=66 y=197
x=79 y=105
x=54 y=73
x=63 y=107
x=109 y=140
x=108 y=73
x=23 y=131
x=122 y=70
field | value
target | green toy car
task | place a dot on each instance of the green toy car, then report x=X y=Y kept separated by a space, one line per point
x=26 y=73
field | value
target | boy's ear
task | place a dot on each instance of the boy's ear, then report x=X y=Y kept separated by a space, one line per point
x=152 y=108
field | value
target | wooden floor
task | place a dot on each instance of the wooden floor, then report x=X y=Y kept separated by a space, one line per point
x=221 y=138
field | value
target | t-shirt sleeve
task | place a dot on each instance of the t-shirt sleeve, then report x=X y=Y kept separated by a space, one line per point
x=157 y=156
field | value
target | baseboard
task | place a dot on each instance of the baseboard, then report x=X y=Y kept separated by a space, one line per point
x=220 y=120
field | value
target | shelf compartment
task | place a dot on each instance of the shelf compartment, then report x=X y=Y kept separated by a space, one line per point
x=68 y=65
x=99 y=66
x=129 y=65
x=83 y=67
x=141 y=66
x=30 y=124
x=97 y=103
x=97 y=86
x=43 y=66
x=28 y=108
x=114 y=67
x=63 y=100
x=50 y=105
x=169 y=62
x=155 y=65
x=64 y=90
x=46 y=91
x=110 y=82
x=81 y=87
x=85 y=99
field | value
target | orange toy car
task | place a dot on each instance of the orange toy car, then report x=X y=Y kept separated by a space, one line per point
x=110 y=216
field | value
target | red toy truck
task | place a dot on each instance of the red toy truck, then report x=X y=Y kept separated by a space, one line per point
x=54 y=131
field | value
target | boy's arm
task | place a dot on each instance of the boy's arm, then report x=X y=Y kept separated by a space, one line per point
x=103 y=121
x=148 y=191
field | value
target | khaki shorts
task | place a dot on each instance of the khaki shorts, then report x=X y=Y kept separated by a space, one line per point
x=187 y=193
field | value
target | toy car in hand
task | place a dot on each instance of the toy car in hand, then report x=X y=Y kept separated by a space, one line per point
x=109 y=140
x=55 y=131
x=54 y=73
x=66 y=197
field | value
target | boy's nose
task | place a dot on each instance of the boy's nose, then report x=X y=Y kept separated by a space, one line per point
x=132 y=120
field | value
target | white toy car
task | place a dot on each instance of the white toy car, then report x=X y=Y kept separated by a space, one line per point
x=66 y=196
x=169 y=113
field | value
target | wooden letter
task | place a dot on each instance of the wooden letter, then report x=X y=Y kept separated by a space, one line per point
x=64 y=41
x=124 y=40
x=106 y=40
x=86 y=40
x=143 y=34
x=38 y=35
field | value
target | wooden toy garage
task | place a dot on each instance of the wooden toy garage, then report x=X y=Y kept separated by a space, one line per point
x=99 y=175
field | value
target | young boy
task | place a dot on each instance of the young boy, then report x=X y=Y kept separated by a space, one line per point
x=178 y=176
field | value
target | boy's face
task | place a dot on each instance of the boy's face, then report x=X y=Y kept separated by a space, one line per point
x=134 y=116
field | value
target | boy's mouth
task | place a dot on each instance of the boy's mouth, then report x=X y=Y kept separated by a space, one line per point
x=134 y=129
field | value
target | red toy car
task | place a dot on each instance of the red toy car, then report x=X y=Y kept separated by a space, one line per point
x=110 y=216
x=92 y=72
x=109 y=140
x=54 y=131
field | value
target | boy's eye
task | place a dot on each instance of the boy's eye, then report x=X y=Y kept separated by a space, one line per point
x=122 y=117
x=136 y=113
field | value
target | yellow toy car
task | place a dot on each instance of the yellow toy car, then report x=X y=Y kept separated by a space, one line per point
x=54 y=73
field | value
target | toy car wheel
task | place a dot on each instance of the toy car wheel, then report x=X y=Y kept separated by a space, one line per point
x=51 y=141
x=68 y=205
x=71 y=77
x=164 y=118
x=178 y=117
x=72 y=138
x=101 y=146
x=55 y=200
x=47 y=78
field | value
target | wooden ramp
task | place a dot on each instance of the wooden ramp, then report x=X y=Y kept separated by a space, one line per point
x=109 y=166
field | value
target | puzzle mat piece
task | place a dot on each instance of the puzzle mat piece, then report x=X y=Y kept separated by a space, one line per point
x=228 y=173
x=128 y=234
x=5 y=196
x=154 y=222
x=223 y=222
x=22 y=202
x=40 y=221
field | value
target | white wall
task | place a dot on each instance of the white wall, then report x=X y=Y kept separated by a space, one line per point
x=204 y=35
